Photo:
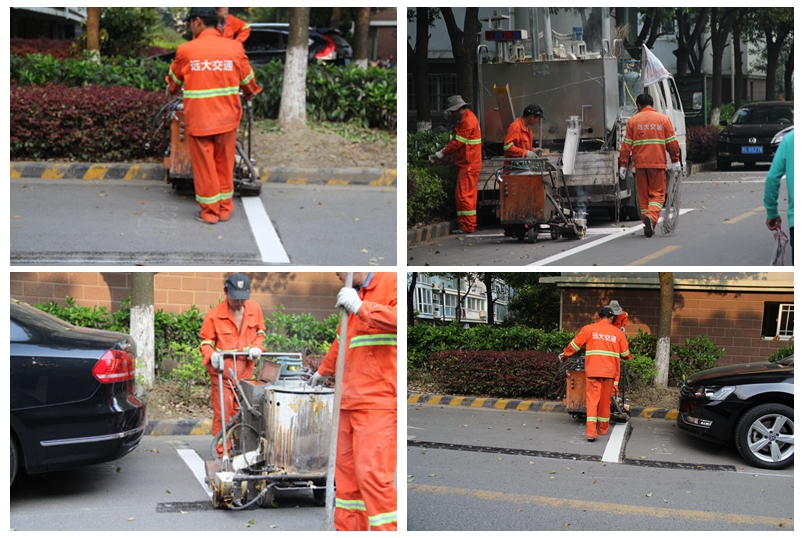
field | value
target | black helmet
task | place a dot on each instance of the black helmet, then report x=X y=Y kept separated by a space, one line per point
x=606 y=312
x=533 y=110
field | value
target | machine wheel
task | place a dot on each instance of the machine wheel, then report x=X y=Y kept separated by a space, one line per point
x=235 y=434
x=672 y=203
x=247 y=186
x=532 y=234
x=520 y=234
x=15 y=460
x=320 y=497
x=764 y=436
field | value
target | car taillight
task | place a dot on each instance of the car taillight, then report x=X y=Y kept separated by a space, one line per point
x=328 y=52
x=114 y=366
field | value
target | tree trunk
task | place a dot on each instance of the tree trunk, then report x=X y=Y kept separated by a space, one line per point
x=362 y=19
x=662 y=361
x=335 y=17
x=93 y=32
x=417 y=66
x=414 y=277
x=721 y=24
x=292 y=106
x=464 y=49
x=488 y=280
x=142 y=324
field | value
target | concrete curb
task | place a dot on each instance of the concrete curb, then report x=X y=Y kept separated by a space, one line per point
x=443 y=229
x=179 y=427
x=378 y=177
x=526 y=405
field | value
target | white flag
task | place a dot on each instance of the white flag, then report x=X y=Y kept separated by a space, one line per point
x=652 y=69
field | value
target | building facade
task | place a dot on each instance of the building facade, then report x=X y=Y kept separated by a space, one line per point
x=436 y=299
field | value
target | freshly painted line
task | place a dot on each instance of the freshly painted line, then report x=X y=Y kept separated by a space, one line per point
x=615 y=444
x=197 y=467
x=609 y=509
x=271 y=249
x=658 y=254
x=597 y=242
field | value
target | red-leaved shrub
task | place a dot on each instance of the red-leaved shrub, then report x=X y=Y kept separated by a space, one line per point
x=58 y=48
x=89 y=123
x=701 y=143
x=499 y=374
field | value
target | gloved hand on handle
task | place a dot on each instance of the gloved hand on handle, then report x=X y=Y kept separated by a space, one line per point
x=437 y=156
x=254 y=353
x=348 y=299
x=316 y=380
x=561 y=356
x=676 y=167
x=623 y=171
x=217 y=360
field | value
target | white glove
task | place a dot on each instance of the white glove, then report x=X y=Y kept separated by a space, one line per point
x=561 y=356
x=316 y=380
x=254 y=353
x=531 y=155
x=437 y=156
x=676 y=167
x=348 y=299
x=622 y=172
x=216 y=360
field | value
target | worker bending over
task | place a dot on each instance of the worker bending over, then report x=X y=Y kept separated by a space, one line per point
x=519 y=138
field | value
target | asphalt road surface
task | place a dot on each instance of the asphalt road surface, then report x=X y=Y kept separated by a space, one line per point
x=722 y=223
x=139 y=222
x=476 y=469
x=154 y=488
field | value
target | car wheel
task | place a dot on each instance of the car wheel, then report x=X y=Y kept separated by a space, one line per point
x=723 y=165
x=15 y=460
x=764 y=436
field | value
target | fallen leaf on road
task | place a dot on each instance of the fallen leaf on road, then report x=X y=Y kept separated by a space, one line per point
x=649 y=494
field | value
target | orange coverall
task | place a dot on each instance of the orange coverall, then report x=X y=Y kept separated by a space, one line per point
x=234 y=28
x=605 y=346
x=621 y=321
x=518 y=139
x=212 y=70
x=468 y=148
x=219 y=333
x=648 y=135
x=366 y=456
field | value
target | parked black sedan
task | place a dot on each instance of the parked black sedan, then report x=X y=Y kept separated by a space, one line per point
x=750 y=405
x=74 y=399
x=747 y=138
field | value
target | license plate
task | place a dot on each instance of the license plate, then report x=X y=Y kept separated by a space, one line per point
x=752 y=149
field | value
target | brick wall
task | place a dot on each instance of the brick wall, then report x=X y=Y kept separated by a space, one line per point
x=299 y=292
x=733 y=320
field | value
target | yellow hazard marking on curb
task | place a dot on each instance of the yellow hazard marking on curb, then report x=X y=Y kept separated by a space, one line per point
x=456 y=400
x=15 y=173
x=501 y=404
x=523 y=406
x=607 y=508
x=96 y=172
x=132 y=172
x=301 y=181
x=414 y=398
x=479 y=402
x=760 y=209
x=434 y=400
x=53 y=173
x=549 y=406
x=338 y=182
x=672 y=414
x=203 y=428
x=665 y=250
x=648 y=412
x=387 y=179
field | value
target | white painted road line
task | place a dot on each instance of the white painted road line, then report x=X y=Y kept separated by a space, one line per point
x=615 y=445
x=197 y=467
x=597 y=242
x=271 y=249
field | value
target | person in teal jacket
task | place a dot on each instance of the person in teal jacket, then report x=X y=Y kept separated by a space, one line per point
x=782 y=166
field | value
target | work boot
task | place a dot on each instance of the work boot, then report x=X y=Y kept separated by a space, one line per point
x=199 y=218
x=648 y=226
x=591 y=439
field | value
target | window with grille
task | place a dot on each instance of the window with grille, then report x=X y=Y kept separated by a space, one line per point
x=424 y=301
x=777 y=320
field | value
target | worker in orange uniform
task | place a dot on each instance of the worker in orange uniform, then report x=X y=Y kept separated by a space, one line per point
x=648 y=135
x=466 y=144
x=366 y=456
x=519 y=138
x=620 y=316
x=212 y=70
x=235 y=325
x=605 y=346
x=231 y=27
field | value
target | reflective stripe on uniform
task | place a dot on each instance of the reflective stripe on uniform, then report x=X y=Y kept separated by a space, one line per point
x=214 y=199
x=604 y=352
x=212 y=92
x=350 y=504
x=508 y=146
x=382 y=519
x=464 y=213
x=469 y=141
x=651 y=141
x=373 y=340
x=248 y=78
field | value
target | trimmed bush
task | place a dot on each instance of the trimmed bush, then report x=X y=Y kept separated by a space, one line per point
x=57 y=48
x=91 y=123
x=427 y=195
x=701 y=143
x=500 y=374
